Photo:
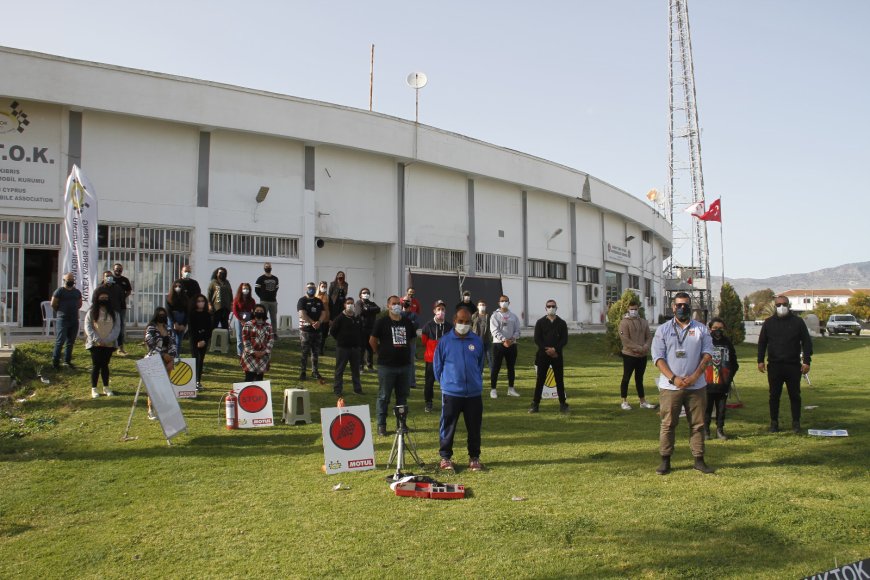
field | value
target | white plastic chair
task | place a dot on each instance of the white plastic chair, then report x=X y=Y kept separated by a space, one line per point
x=48 y=318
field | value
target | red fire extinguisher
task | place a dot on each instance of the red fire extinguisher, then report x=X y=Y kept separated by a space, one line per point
x=232 y=411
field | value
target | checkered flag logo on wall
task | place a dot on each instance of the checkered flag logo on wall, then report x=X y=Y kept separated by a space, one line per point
x=19 y=116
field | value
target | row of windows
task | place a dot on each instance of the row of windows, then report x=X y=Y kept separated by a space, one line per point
x=253 y=245
x=439 y=259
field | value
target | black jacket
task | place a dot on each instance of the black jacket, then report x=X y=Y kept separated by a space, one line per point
x=551 y=334
x=200 y=326
x=347 y=331
x=785 y=339
x=726 y=357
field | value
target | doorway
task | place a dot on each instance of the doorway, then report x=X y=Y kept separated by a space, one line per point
x=612 y=287
x=40 y=280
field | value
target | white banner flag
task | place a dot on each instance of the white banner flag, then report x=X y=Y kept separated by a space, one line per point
x=79 y=254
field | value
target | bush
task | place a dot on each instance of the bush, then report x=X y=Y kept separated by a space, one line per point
x=615 y=314
x=731 y=311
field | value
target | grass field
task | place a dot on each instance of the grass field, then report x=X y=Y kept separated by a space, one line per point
x=78 y=502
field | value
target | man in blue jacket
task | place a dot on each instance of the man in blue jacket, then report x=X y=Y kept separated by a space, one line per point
x=458 y=366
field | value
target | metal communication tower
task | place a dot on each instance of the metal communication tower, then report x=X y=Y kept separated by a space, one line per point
x=690 y=257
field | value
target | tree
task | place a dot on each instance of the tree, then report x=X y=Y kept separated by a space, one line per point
x=731 y=311
x=615 y=314
x=762 y=303
x=859 y=305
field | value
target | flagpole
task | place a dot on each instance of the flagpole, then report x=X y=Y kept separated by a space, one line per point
x=721 y=240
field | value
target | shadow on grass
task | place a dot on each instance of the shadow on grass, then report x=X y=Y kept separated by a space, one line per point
x=8 y=530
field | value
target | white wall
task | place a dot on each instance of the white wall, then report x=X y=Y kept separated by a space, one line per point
x=546 y=214
x=498 y=206
x=436 y=207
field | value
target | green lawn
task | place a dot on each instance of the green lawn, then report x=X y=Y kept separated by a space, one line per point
x=78 y=502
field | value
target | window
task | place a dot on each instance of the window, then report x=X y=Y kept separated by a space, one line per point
x=587 y=274
x=545 y=269
x=647 y=287
x=497 y=264
x=536 y=269
x=557 y=270
x=647 y=236
x=253 y=245
x=634 y=281
x=438 y=259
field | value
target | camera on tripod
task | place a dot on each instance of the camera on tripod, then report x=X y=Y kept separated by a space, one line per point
x=401 y=412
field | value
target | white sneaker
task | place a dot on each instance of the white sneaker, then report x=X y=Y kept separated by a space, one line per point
x=625 y=406
x=493 y=394
x=512 y=392
x=645 y=405
x=108 y=392
x=682 y=412
x=95 y=394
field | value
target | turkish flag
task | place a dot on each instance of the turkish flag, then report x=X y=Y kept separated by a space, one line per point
x=714 y=214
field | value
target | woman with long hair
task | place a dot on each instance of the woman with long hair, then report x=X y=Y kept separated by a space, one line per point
x=102 y=327
x=200 y=328
x=338 y=291
x=220 y=298
x=177 y=305
x=160 y=342
x=323 y=296
x=257 y=343
x=243 y=311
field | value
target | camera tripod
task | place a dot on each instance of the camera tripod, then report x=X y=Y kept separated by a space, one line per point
x=401 y=443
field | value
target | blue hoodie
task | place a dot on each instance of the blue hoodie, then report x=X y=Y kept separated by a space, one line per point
x=458 y=365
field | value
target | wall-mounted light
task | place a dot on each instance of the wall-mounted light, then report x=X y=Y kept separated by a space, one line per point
x=554 y=234
x=261 y=195
x=629 y=238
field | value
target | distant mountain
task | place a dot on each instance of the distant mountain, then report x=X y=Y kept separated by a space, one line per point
x=846 y=276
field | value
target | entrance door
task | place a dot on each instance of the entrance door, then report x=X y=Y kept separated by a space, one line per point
x=40 y=280
x=612 y=287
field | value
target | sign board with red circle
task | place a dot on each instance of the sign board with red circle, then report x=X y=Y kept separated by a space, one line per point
x=254 y=404
x=347 y=439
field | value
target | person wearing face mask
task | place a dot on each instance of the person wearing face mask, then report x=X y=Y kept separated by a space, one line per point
x=458 y=367
x=410 y=296
x=66 y=302
x=257 y=343
x=390 y=337
x=466 y=303
x=430 y=335
x=178 y=306
x=681 y=350
x=311 y=317
x=636 y=338
x=116 y=295
x=367 y=310
x=480 y=327
x=266 y=287
x=347 y=331
x=200 y=328
x=243 y=311
x=505 y=328
x=415 y=320
x=338 y=292
x=126 y=290
x=551 y=336
x=719 y=375
x=786 y=340
x=188 y=284
x=323 y=295
x=220 y=298
x=160 y=342
x=102 y=326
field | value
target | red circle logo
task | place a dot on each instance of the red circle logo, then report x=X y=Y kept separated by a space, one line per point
x=347 y=431
x=253 y=399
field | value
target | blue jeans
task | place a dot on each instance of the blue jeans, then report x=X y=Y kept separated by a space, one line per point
x=391 y=379
x=66 y=330
x=237 y=326
x=123 y=315
x=177 y=317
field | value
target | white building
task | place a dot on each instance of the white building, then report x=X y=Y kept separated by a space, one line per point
x=808 y=299
x=177 y=163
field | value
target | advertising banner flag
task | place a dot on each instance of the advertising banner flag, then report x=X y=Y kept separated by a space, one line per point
x=347 y=439
x=79 y=244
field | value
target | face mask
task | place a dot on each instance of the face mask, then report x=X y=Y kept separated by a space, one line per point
x=439 y=315
x=551 y=311
x=245 y=292
x=632 y=313
x=466 y=298
x=323 y=288
x=683 y=312
x=260 y=315
x=365 y=295
x=481 y=308
x=504 y=304
x=222 y=275
x=717 y=334
x=348 y=308
x=185 y=275
x=310 y=291
x=70 y=283
x=396 y=309
x=267 y=270
x=104 y=300
x=341 y=278
x=118 y=272
x=178 y=288
x=109 y=280
x=200 y=305
x=781 y=310
x=410 y=294
x=462 y=328
x=161 y=318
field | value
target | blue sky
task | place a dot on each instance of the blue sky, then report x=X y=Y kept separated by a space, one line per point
x=783 y=87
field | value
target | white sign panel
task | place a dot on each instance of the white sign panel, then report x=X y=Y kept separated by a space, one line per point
x=619 y=254
x=347 y=439
x=30 y=159
x=549 y=391
x=254 y=405
x=183 y=378
x=163 y=401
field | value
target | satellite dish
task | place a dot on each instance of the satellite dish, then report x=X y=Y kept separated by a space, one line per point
x=417 y=80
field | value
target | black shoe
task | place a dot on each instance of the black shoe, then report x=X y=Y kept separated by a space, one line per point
x=563 y=408
x=198 y=386
x=339 y=393
x=55 y=365
x=533 y=409
x=358 y=391
x=774 y=427
x=665 y=467
x=302 y=376
x=796 y=427
x=706 y=432
x=316 y=375
x=371 y=368
x=70 y=366
x=382 y=430
x=701 y=466
x=720 y=433
x=428 y=407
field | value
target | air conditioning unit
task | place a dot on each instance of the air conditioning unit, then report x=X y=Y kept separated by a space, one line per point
x=593 y=293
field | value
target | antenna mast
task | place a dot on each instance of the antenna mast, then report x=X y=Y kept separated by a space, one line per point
x=690 y=257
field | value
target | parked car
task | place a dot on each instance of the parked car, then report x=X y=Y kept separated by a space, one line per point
x=847 y=323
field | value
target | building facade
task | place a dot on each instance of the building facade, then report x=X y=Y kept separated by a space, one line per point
x=177 y=165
